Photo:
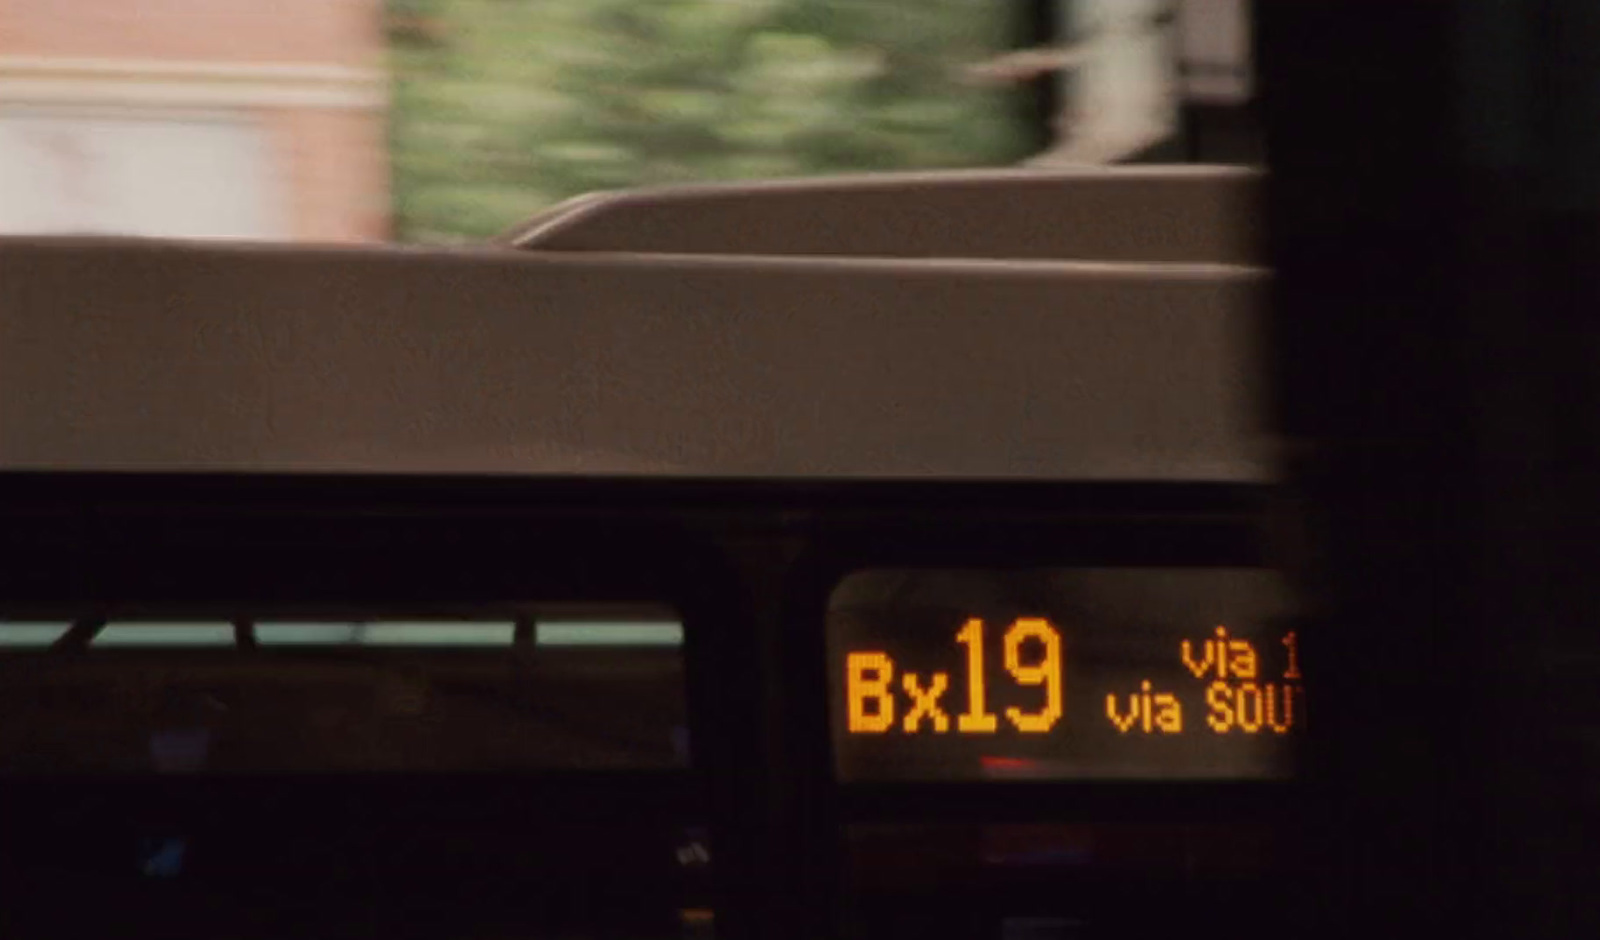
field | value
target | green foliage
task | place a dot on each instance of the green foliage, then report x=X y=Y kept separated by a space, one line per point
x=505 y=106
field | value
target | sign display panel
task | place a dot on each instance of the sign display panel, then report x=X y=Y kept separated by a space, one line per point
x=1109 y=674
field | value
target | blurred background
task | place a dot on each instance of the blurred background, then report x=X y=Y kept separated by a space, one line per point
x=442 y=121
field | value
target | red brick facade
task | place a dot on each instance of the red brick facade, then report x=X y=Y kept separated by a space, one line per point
x=328 y=32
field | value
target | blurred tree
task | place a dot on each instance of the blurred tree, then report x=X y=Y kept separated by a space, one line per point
x=503 y=107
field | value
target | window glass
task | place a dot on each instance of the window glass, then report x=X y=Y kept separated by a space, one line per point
x=451 y=120
x=441 y=634
x=578 y=633
x=271 y=773
x=163 y=635
x=22 y=634
x=599 y=691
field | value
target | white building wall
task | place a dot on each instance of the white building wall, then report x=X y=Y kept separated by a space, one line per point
x=82 y=170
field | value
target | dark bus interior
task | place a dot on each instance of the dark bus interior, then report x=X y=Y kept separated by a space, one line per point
x=358 y=706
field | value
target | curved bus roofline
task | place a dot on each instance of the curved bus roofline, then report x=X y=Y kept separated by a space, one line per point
x=1120 y=214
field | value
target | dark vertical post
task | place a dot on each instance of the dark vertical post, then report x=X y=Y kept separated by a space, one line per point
x=760 y=697
x=1432 y=198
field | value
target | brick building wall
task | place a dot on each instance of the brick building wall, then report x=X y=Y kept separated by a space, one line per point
x=302 y=79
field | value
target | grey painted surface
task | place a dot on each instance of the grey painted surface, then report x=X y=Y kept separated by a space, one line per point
x=1135 y=214
x=152 y=356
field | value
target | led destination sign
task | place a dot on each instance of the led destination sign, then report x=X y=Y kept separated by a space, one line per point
x=1086 y=673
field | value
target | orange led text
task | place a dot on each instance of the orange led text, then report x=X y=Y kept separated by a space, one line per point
x=1031 y=651
x=1147 y=711
x=1238 y=690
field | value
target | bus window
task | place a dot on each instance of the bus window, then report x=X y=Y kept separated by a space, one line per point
x=164 y=635
x=446 y=635
x=15 y=635
x=599 y=692
x=275 y=773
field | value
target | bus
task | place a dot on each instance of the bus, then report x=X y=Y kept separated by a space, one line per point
x=655 y=573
